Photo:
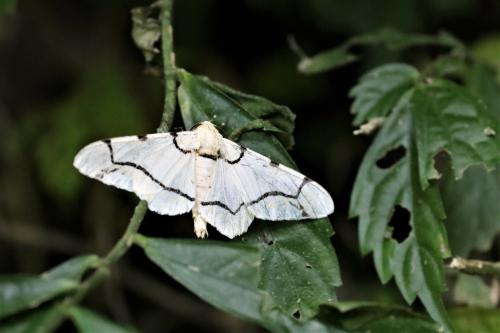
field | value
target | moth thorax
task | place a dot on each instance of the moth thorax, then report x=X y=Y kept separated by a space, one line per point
x=209 y=139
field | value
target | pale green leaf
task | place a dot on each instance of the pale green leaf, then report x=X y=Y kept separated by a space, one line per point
x=145 y=32
x=325 y=61
x=18 y=293
x=88 y=321
x=472 y=209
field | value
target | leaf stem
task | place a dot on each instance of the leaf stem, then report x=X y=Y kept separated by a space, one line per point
x=478 y=267
x=128 y=238
x=167 y=41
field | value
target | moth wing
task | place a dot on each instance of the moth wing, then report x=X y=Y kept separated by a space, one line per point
x=272 y=191
x=158 y=168
x=224 y=207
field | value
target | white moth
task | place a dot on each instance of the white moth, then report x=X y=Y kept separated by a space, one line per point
x=223 y=183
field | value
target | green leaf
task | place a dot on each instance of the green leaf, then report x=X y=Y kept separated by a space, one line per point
x=379 y=90
x=24 y=292
x=388 y=38
x=472 y=291
x=472 y=209
x=235 y=112
x=429 y=117
x=88 y=321
x=298 y=276
x=325 y=61
x=226 y=275
x=469 y=320
x=200 y=100
x=37 y=321
x=145 y=32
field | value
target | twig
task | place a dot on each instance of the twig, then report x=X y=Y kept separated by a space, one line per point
x=167 y=40
x=472 y=266
x=126 y=241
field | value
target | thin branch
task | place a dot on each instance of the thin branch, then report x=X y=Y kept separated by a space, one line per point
x=477 y=267
x=168 y=55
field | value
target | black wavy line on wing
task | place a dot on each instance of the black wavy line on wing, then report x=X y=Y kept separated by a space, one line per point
x=260 y=198
x=146 y=172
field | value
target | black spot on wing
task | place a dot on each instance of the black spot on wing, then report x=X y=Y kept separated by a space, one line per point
x=210 y=156
x=142 y=137
x=145 y=171
x=274 y=164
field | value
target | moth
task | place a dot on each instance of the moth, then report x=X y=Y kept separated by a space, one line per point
x=224 y=184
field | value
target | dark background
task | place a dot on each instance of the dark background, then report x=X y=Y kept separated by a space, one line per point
x=70 y=74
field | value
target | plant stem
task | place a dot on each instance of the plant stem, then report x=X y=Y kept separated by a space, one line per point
x=479 y=267
x=167 y=40
x=127 y=239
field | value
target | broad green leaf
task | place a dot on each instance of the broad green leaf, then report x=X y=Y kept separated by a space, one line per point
x=37 y=321
x=472 y=291
x=472 y=209
x=226 y=275
x=388 y=38
x=379 y=90
x=235 y=112
x=88 y=321
x=145 y=32
x=298 y=276
x=469 y=320
x=200 y=101
x=18 y=293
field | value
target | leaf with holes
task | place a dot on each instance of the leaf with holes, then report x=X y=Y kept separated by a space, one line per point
x=24 y=292
x=429 y=117
x=302 y=290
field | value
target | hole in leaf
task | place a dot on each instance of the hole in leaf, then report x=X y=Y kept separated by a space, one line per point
x=270 y=242
x=391 y=157
x=296 y=314
x=400 y=224
x=308 y=266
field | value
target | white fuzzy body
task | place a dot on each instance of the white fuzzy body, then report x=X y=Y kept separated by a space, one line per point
x=209 y=145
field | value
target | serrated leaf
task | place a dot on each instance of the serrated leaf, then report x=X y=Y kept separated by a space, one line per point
x=388 y=38
x=18 y=293
x=472 y=291
x=88 y=321
x=469 y=320
x=472 y=209
x=37 y=321
x=201 y=101
x=380 y=89
x=235 y=112
x=226 y=275
x=298 y=277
